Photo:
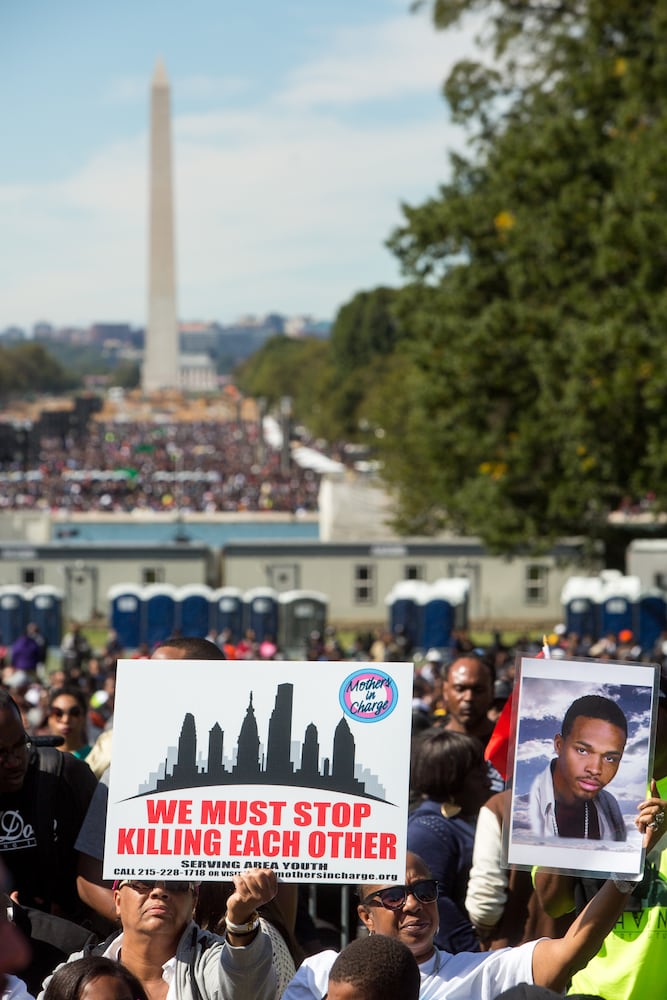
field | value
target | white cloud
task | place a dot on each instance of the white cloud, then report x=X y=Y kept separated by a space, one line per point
x=544 y=699
x=398 y=57
x=536 y=750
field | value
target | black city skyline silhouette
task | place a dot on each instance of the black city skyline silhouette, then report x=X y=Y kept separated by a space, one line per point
x=275 y=767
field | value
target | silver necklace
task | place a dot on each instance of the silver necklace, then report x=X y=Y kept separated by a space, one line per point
x=553 y=816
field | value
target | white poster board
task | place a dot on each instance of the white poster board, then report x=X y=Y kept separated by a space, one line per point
x=302 y=767
x=608 y=786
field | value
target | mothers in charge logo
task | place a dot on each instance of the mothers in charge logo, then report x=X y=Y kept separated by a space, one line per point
x=368 y=695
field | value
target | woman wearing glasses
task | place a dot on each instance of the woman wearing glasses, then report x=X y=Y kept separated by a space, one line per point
x=67 y=718
x=410 y=913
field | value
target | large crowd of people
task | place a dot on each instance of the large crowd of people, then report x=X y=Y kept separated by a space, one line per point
x=460 y=925
x=199 y=466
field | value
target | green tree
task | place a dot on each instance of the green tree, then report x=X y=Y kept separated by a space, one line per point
x=29 y=368
x=364 y=329
x=127 y=375
x=364 y=336
x=331 y=382
x=287 y=367
x=536 y=300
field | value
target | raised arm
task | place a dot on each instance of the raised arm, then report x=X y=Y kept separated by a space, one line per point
x=556 y=960
x=251 y=889
x=246 y=969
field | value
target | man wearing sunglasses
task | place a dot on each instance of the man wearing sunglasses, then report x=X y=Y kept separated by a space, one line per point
x=410 y=913
x=174 y=959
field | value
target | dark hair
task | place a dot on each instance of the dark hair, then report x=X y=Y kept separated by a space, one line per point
x=379 y=967
x=69 y=981
x=72 y=692
x=6 y=701
x=194 y=647
x=594 y=706
x=441 y=762
x=420 y=686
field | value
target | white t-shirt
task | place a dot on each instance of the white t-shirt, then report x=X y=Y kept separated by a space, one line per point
x=482 y=975
x=15 y=989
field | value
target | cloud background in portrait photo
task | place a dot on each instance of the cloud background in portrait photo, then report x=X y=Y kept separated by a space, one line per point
x=545 y=689
x=543 y=703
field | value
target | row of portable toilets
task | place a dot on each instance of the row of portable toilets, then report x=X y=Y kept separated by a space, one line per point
x=147 y=615
x=427 y=613
x=611 y=603
x=40 y=604
x=592 y=605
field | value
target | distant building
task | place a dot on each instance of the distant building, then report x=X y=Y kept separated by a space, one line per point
x=43 y=330
x=196 y=338
x=306 y=326
x=13 y=335
x=63 y=335
x=120 y=333
x=197 y=373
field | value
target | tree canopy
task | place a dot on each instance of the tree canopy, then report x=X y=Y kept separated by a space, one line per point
x=283 y=366
x=332 y=383
x=29 y=368
x=532 y=387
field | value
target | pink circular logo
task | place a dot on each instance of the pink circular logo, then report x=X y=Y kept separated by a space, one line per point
x=368 y=695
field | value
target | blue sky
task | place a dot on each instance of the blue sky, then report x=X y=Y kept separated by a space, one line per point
x=298 y=129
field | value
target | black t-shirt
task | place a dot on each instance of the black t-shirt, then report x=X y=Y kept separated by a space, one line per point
x=38 y=827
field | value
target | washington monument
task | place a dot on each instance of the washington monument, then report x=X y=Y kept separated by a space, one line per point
x=161 y=353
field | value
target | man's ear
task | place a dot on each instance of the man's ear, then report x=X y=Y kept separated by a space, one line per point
x=366 y=917
x=558 y=742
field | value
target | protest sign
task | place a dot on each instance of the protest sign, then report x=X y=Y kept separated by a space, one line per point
x=582 y=744
x=302 y=767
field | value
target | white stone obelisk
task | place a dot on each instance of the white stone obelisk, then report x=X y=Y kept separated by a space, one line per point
x=161 y=351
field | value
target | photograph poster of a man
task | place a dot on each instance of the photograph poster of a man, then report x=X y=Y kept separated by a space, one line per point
x=582 y=745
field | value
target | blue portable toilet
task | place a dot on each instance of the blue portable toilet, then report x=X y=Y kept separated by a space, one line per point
x=405 y=609
x=579 y=598
x=45 y=609
x=13 y=613
x=126 y=610
x=227 y=611
x=650 y=618
x=444 y=607
x=617 y=601
x=159 y=613
x=193 y=610
x=300 y=613
x=261 y=612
